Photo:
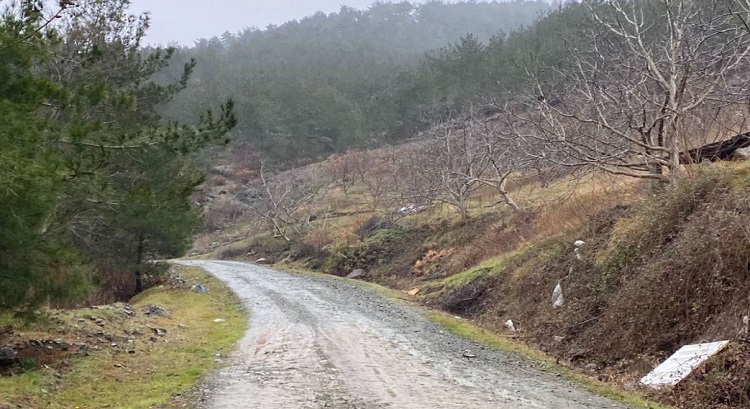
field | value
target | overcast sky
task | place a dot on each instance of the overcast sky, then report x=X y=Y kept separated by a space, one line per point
x=185 y=21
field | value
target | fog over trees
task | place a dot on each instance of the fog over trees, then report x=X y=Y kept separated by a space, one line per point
x=106 y=137
x=354 y=78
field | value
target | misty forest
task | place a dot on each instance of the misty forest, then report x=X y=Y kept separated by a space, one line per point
x=472 y=155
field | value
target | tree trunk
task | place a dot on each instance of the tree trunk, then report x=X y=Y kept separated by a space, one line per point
x=138 y=264
x=657 y=185
x=279 y=231
x=506 y=197
x=463 y=209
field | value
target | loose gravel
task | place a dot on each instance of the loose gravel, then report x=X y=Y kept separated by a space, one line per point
x=322 y=342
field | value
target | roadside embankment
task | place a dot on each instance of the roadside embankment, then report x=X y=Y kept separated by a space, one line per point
x=144 y=354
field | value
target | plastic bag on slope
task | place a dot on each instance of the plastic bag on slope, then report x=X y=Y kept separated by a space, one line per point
x=557 y=296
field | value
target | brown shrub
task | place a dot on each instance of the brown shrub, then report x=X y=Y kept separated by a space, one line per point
x=223 y=213
x=233 y=253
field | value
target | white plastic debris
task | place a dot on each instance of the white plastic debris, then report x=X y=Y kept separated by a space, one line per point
x=577 y=250
x=509 y=324
x=681 y=364
x=220 y=320
x=557 y=296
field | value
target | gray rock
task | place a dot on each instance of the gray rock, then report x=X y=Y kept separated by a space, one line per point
x=742 y=154
x=358 y=273
x=591 y=367
x=8 y=356
x=155 y=311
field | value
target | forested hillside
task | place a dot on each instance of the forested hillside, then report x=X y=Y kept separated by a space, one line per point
x=356 y=78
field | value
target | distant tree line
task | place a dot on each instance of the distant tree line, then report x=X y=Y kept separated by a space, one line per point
x=353 y=79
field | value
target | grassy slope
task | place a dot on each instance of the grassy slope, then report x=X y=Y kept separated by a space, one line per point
x=157 y=371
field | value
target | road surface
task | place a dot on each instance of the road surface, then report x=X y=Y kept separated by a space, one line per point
x=322 y=342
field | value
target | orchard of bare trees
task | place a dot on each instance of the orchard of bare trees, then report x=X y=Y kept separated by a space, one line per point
x=632 y=88
x=641 y=82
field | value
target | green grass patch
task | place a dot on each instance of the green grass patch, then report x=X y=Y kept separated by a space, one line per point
x=470 y=331
x=158 y=370
x=486 y=268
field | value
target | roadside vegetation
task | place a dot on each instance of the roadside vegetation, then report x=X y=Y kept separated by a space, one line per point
x=123 y=358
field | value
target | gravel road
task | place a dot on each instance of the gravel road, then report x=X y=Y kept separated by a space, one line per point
x=321 y=342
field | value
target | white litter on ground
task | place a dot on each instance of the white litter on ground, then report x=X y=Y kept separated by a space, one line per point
x=557 y=297
x=577 y=250
x=682 y=363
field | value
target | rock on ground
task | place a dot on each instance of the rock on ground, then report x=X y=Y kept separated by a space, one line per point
x=358 y=273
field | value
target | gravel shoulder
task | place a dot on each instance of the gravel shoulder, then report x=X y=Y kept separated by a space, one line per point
x=320 y=342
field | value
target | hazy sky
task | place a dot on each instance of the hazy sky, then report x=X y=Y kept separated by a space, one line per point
x=185 y=21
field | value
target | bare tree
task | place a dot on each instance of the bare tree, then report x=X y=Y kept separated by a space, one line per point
x=278 y=199
x=373 y=170
x=502 y=154
x=642 y=80
x=341 y=170
x=448 y=165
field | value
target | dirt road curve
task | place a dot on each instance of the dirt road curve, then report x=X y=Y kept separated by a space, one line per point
x=319 y=342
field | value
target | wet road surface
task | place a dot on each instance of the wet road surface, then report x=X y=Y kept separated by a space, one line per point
x=322 y=342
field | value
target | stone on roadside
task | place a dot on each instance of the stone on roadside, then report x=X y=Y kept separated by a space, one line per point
x=263 y=260
x=741 y=154
x=153 y=310
x=356 y=274
x=8 y=356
